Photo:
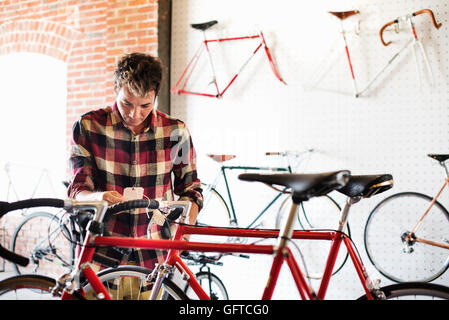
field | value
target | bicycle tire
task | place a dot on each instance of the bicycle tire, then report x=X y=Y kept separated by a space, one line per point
x=27 y=287
x=402 y=261
x=324 y=207
x=211 y=283
x=65 y=249
x=414 y=290
x=112 y=276
x=215 y=212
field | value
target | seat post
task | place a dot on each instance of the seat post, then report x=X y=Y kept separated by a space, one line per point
x=443 y=164
x=345 y=212
x=287 y=229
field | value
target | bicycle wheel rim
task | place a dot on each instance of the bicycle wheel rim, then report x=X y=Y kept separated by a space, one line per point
x=38 y=223
x=114 y=278
x=211 y=284
x=27 y=287
x=308 y=217
x=414 y=291
x=384 y=238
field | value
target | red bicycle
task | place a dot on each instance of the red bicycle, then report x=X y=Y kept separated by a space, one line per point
x=181 y=85
x=83 y=281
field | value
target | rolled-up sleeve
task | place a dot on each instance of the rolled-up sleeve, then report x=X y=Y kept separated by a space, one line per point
x=186 y=181
x=82 y=166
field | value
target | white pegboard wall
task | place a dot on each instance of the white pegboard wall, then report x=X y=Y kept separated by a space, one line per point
x=389 y=130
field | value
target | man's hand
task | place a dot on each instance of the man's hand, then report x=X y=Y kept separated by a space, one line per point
x=113 y=197
x=110 y=196
x=193 y=214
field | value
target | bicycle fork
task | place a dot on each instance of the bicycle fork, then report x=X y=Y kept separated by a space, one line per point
x=162 y=271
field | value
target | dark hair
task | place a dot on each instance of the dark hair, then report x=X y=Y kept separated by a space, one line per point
x=139 y=72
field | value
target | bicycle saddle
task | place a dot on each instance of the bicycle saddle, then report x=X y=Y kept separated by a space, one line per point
x=367 y=185
x=439 y=157
x=204 y=26
x=344 y=14
x=304 y=186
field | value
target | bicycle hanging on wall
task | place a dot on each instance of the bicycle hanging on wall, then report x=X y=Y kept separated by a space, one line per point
x=413 y=41
x=181 y=86
x=415 y=229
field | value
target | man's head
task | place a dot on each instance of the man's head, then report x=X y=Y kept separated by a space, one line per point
x=137 y=83
x=139 y=72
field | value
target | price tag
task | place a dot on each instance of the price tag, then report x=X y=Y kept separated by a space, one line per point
x=157 y=218
x=133 y=193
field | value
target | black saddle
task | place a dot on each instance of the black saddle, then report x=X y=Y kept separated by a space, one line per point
x=304 y=186
x=204 y=26
x=439 y=157
x=367 y=185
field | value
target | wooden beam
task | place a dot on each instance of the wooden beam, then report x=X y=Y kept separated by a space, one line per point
x=164 y=46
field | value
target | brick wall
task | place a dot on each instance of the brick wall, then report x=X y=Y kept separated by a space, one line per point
x=89 y=35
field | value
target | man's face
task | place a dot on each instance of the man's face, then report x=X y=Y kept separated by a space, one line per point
x=133 y=109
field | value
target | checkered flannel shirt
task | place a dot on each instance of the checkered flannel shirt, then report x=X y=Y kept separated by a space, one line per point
x=107 y=156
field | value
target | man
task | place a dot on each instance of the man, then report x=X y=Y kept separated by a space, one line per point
x=131 y=144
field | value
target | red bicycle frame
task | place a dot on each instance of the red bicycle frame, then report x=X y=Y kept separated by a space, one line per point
x=281 y=253
x=205 y=47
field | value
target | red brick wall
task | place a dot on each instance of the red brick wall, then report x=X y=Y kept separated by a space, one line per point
x=89 y=35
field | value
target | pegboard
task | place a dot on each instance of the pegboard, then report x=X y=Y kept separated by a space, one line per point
x=390 y=129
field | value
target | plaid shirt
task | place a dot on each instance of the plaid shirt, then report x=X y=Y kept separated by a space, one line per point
x=107 y=156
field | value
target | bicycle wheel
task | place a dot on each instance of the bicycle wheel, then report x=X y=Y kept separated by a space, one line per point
x=27 y=287
x=316 y=213
x=414 y=291
x=212 y=284
x=46 y=242
x=215 y=212
x=385 y=243
x=130 y=283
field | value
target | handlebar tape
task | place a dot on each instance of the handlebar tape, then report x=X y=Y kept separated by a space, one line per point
x=6 y=207
x=132 y=204
x=13 y=257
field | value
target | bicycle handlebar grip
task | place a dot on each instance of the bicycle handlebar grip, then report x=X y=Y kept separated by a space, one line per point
x=174 y=214
x=381 y=31
x=13 y=257
x=272 y=153
x=6 y=207
x=432 y=17
x=133 y=204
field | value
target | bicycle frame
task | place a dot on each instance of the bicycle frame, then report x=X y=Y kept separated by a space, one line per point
x=281 y=253
x=412 y=237
x=410 y=44
x=204 y=47
x=233 y=218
